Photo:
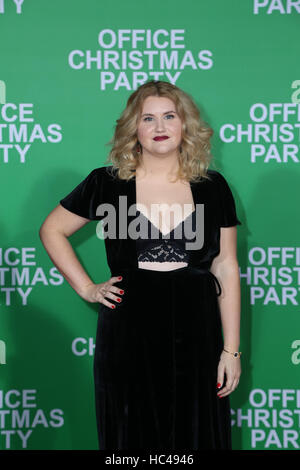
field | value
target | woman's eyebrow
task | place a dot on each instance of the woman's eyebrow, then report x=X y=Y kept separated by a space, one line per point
x=149 y=114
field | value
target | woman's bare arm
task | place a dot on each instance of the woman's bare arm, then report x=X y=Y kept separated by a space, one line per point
x=225 y=267
x=54 y=232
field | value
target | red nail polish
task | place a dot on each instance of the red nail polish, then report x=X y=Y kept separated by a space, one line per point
x=121 y=292
x=218 y=385
x=113 y=306
x=118 y=300
x=120 y=277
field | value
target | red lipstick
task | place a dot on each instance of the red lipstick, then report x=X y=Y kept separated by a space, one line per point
x=161 y=137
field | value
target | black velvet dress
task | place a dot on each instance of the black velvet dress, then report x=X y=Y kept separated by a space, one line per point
x=157 y=352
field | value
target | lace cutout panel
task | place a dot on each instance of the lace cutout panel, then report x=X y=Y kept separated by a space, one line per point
x=164 y=247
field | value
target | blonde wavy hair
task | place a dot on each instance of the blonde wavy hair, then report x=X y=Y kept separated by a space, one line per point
x=194 y=157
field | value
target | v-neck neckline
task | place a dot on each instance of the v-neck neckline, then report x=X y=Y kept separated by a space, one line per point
x=174 y=228
x=135 y=202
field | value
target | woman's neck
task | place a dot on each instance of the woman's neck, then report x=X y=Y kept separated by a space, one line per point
x=162 y=170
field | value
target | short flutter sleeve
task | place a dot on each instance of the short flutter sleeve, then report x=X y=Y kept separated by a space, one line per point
x=84 y=199
x=227 y=209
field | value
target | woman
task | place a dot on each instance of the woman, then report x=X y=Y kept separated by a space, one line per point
x=163 y=372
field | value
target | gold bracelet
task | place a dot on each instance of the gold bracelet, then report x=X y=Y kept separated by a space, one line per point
x=235 y=354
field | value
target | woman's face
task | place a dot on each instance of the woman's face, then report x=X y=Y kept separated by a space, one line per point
x=159 y=119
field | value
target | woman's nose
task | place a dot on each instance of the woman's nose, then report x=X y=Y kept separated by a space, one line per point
x=160 y=125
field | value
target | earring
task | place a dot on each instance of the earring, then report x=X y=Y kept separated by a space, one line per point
x=138 y=148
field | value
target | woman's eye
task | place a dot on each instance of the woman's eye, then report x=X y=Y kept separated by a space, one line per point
x=149 y=118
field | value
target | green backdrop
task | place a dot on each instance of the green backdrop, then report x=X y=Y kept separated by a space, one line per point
x=66 y=71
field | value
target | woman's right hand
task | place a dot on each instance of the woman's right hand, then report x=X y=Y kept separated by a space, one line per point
x=98 y=292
